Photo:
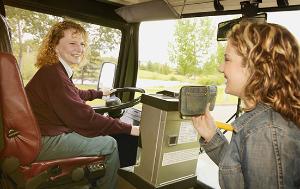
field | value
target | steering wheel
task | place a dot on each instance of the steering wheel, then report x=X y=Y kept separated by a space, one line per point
x=114 y=104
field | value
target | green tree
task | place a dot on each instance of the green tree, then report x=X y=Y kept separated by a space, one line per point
x=27 y=26
x=102 y=40
x=165 y=69
x=193 y=37
x=210 y=67
x=183 y=52
x=220 y=52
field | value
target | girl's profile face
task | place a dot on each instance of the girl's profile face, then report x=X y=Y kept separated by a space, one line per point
x=235 y=73
x=71 y=47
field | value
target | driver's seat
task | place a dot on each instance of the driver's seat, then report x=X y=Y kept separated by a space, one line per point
x=20 y=141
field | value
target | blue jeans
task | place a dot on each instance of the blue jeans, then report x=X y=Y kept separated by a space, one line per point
x=75 y=145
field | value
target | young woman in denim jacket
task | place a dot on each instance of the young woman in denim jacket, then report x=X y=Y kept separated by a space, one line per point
x=262 y=67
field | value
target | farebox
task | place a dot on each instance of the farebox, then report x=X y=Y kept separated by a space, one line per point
x=169 y=145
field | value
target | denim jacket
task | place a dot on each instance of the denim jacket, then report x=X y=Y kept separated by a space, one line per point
x=264 y=152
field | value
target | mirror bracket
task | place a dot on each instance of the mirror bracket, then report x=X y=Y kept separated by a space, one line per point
x=249 y=8
x=250 y=11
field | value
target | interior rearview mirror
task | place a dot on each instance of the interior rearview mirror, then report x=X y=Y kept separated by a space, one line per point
x=107 y=75
x=224 y=27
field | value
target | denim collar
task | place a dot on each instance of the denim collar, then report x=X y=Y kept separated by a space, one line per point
x=244 y=119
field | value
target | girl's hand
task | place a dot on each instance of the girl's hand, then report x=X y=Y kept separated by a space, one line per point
x=205 y=125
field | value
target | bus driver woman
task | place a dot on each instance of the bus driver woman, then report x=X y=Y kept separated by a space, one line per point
x=70 y=127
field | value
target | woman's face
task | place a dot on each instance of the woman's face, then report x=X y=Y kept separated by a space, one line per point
x=71 y=47
x=235 y=73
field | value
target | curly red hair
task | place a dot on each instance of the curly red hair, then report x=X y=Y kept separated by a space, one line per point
x=47 y=54
x=271 y=53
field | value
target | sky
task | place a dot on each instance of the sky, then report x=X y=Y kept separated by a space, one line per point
x=156 y=35
x=154 y=39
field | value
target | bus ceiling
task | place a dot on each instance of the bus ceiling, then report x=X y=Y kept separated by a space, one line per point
x=117 y=13
x=91 y=11
x=146 y=10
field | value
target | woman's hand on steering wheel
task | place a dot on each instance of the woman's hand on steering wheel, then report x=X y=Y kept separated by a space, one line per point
x=107 y=91
x=113 y=104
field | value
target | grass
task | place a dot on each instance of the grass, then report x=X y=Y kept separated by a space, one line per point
x=143 y=74
x=28 y=70
x=222 y=98
x=203 y=79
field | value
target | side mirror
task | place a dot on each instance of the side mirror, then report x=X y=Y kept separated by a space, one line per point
x=107 y=75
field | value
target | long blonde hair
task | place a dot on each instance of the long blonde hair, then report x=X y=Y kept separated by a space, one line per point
x=47 y=54
x=271 y=53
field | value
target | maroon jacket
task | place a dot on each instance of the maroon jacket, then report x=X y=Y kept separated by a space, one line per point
x=59 y=106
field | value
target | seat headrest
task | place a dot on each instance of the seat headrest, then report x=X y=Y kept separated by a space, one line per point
x=5 y=37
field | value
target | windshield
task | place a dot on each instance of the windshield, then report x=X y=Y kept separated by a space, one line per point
x=29 y=28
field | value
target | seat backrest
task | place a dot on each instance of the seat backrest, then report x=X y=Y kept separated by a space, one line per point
x=19 y=133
